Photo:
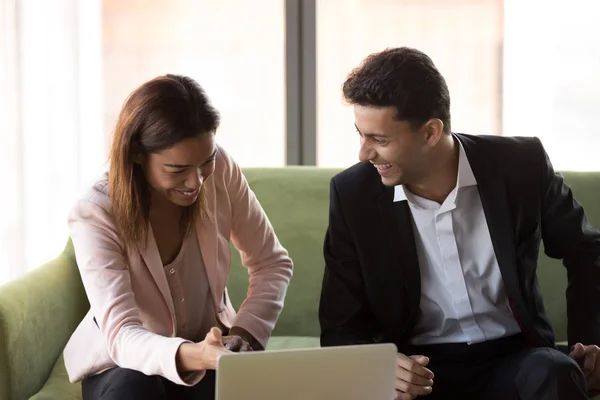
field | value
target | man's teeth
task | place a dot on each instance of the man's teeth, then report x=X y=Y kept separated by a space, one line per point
x=383 y=166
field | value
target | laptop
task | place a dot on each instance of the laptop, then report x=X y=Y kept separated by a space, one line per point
x=346 y=372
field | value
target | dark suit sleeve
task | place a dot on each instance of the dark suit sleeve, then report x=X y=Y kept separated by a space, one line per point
x=343 y=309
x=568 y=235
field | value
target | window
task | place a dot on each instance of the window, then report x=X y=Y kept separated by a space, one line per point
x=66 y=68
x=50 y=121
x=463 y=38
x=234 y=49
x=551 y=79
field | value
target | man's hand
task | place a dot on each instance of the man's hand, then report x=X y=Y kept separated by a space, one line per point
x=236 y=344
x=588 y=358
x=412 y=378
x=248 y=342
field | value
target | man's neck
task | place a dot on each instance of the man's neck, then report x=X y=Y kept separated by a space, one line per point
x=442 y=178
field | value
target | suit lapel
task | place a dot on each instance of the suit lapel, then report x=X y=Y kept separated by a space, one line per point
x=493 y=194
x=207 y=232
x=497 y=214
x=492 y=191
x=399 y=255
x=151 y=258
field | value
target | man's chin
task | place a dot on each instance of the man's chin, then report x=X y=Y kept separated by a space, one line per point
x=390 y=180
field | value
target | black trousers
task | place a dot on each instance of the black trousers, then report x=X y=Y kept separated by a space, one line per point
x=502 y=369
x=127 y=384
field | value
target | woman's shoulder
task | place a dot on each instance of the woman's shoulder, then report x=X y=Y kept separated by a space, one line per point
x=95 y=193
x=224 y=161
x=92 y=209
x=226 y=168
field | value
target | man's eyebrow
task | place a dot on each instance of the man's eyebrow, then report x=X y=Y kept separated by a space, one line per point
x=380 y=135
x=186 y=166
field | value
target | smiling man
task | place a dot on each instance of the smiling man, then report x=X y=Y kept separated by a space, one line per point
x=432 y=245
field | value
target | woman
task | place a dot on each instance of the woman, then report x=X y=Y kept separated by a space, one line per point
x=152 y=239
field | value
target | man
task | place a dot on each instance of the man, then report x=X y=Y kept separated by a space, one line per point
x=441 y=258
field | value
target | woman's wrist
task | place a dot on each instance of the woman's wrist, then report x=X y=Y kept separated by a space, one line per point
x=188 y=358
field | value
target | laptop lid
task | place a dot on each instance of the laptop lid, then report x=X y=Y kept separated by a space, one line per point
x=344 y=372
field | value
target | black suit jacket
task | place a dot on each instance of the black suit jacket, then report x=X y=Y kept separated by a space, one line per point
x=371 y=286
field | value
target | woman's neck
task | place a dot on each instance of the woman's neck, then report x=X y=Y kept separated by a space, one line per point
x=162 y=210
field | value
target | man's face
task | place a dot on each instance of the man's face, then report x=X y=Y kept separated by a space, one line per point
x=390 y=145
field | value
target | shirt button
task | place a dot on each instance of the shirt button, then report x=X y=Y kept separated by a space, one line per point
x=182 y=299
x=172 y=271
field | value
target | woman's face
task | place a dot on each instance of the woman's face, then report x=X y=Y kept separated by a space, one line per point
x=177 y=174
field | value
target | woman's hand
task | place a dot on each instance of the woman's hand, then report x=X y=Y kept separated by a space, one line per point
x=202 y=355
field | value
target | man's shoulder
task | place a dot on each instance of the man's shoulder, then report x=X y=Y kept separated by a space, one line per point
x=358 y=180
x=495 y=144
x=517 y=160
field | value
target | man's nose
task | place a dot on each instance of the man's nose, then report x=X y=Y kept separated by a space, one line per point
x=366 y=153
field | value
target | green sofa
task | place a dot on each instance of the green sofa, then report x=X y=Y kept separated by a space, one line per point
x=39 y=311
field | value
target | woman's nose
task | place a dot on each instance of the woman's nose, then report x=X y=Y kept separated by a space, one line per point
x=194 y=180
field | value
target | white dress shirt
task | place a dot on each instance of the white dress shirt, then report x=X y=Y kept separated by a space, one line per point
x=463 y=299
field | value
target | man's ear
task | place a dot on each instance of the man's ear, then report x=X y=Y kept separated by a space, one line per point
x=433 y=129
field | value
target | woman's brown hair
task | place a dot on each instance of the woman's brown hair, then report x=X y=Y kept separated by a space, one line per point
x=157 y=115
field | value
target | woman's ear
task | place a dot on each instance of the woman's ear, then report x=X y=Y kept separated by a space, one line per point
x=138 y=156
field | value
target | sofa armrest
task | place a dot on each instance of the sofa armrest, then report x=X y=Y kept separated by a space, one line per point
x=57 y=386
x=38 y=313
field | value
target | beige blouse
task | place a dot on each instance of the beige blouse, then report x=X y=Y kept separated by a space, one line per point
x=192 y=298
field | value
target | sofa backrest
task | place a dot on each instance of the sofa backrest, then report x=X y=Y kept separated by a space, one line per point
x=551 y=274
x=296 y=199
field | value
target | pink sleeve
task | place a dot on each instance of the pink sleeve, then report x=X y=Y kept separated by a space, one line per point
x=268 y=263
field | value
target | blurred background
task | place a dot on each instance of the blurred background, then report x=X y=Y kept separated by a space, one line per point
x=274 y=69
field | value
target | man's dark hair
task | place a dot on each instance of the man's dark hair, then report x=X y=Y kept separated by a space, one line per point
x=404 y=78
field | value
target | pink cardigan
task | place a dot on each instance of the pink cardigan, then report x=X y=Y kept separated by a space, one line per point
x=132 y=304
